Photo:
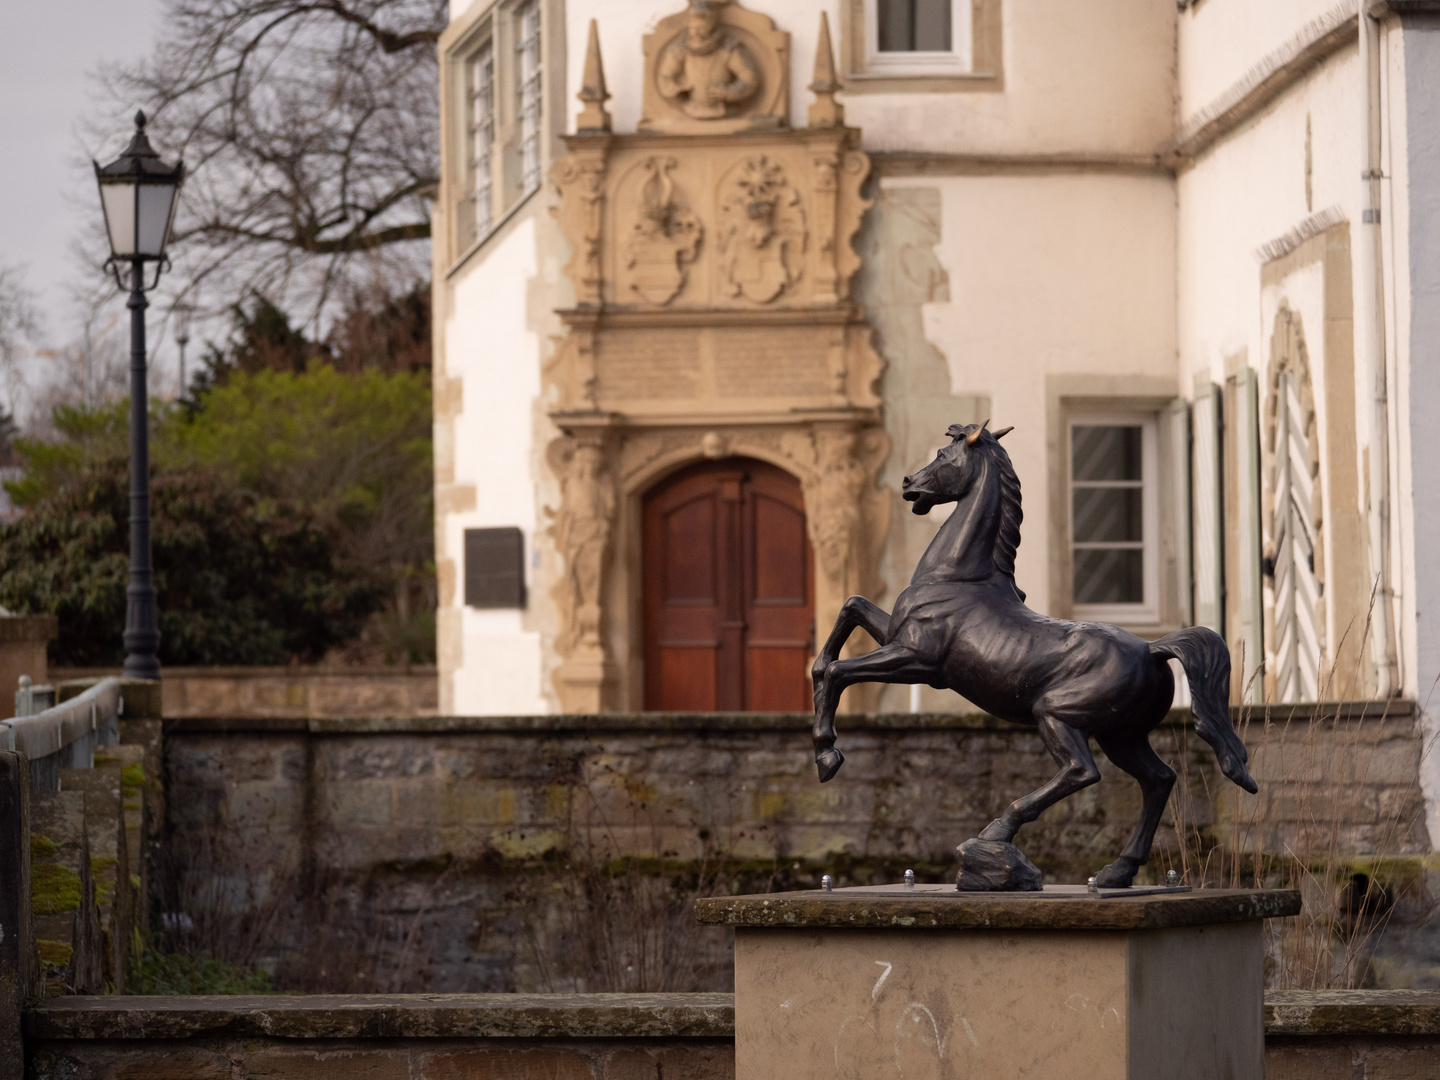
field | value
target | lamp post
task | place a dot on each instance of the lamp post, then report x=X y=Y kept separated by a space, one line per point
x=137 y=192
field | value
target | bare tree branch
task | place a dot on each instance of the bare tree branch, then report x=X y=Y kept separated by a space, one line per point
x=310 y=128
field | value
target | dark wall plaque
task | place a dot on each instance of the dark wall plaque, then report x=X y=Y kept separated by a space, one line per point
x=494 y=568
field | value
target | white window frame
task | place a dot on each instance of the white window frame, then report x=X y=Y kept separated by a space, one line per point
x=1148 y=611
x=959 y=60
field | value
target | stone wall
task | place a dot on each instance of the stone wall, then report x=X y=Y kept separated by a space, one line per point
x=288 y=691
x=1308 y=1035
x=488 y=854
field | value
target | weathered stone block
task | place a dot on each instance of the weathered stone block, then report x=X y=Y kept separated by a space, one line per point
x=317 y=1062
x=527 y=1063
x=672 y=1063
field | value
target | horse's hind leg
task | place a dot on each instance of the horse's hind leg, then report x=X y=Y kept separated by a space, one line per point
x=888 y=664
x=875 y=621
x=1136 y=756
x=1071 y=750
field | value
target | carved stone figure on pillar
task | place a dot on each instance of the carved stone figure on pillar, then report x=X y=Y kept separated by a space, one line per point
x=582 y=534
x=706 y=69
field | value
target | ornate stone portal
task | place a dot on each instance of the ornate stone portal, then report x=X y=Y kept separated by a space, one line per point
x=711 y=258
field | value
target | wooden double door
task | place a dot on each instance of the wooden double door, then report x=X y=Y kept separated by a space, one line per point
x=729 y=606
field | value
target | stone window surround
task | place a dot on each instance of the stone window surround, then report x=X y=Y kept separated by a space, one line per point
x=986 y=69
x=495 y=21
x=1070 y=397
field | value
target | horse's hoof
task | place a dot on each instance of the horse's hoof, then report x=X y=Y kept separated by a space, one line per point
x=996 y=830
x=829 y=762
x=1118 y=875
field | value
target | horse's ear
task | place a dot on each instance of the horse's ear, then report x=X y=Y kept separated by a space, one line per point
x=974 y=436
x=1003 y=432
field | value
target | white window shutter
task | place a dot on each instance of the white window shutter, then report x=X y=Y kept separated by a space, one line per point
x=1208 y=538
x=1177 y=494
x=1247 y=474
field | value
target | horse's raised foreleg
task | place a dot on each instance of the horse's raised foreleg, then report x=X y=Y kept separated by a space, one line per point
x=875 y=621
x=1136 y=756
x=1071 y=751
x=887 y=664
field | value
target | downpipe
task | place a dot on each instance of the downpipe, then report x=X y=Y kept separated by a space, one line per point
x=1371 y=294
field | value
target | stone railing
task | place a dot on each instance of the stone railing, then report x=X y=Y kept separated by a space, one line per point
x=80 y=807
x=66 y=735
x=1364 y=1035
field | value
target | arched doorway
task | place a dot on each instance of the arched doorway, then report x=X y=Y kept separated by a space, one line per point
x=729 y=598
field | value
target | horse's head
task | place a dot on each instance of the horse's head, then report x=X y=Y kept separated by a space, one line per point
x=950 y=476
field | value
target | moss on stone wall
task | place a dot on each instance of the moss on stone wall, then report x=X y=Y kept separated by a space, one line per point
x=102 y=871
x=42 y=847
x=54 y=889
x=53 y=954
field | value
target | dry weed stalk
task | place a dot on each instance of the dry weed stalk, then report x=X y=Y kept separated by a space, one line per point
x=626 y=920
x=1297 y=834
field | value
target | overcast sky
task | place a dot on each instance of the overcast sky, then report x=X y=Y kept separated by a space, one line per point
x=48 y=48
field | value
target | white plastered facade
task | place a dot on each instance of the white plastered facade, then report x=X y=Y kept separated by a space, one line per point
x=1103 y=219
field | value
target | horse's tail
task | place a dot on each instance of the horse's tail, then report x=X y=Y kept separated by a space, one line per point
x=1206 y=660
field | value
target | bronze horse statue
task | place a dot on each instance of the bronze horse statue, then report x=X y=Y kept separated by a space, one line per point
x=962 y=625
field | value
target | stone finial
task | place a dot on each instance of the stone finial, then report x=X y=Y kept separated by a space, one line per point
x=593 y=119
x=826 y=112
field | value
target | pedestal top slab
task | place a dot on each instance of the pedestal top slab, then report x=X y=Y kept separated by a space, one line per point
x=1056 y=907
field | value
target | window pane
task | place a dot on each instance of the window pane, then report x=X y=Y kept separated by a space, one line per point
x=1110 y=577
x=1105 y=453
x=913 y=25
x=527 y=50
x=932 y=25
x=1108 y=514
x=480 y=78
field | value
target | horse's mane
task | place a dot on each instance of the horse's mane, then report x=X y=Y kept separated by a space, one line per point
x=1007 y=537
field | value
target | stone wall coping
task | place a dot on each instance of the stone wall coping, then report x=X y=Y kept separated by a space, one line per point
x=388 y=1016
x=708 y=1016
x=285 y=671
x=718 y=721
x=1352 y=1012
x=37 y=628
x=951 y=910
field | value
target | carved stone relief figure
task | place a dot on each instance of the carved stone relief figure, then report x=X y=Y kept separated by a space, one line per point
x=762 y=233
x=715 y=67
x=707 y=69
x=582 y=532
x=665 y=239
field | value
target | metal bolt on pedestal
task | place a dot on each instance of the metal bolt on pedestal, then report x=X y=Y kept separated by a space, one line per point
x=1172 y=879
x=909 y=879
x=827 y=883
x=1092 y=887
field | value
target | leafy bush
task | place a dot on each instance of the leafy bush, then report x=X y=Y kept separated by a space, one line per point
x=240 y=579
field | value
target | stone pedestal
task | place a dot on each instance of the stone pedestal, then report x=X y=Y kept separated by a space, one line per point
x=22 y=652
x=928 y=983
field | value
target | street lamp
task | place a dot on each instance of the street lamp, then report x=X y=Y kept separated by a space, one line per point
x=138 y=193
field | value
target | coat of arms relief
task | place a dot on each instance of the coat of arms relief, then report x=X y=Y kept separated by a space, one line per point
x=762 y=232
x=664 y=240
